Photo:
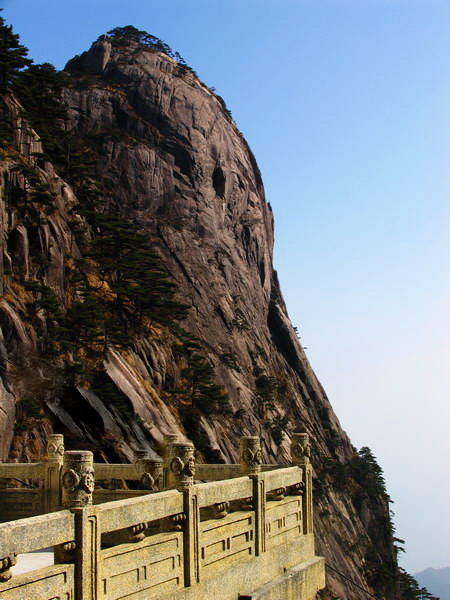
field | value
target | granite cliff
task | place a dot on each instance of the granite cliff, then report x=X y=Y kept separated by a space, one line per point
x=147 y=144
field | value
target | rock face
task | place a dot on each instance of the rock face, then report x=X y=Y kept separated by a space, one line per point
x=171 y=159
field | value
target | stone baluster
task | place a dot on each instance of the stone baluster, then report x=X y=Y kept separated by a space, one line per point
x=77 y=478
x=149 y=470
x=300 y=453
x=181 y=463
x=169 y=439
x=77 y=486
x=53 y=466
x=180 y=475
x=250 y=456
x=78 y=482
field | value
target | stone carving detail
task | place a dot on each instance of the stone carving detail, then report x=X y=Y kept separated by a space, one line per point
x=276 y=495
x=149 y=471
x=65 y=553
x=179 y=468
x=243 y=504
x=250 y=454
x=174 y=523
x=297 y=489
x=5 y=565
x=300 y=448
x=216 y=511
x=55 y=447
x=78 y=481
x=182 y=465
x=137 y=532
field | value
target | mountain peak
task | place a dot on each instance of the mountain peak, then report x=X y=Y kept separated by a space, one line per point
x=123 y=40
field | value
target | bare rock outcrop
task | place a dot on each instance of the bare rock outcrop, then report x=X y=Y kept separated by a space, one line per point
x=170 y=159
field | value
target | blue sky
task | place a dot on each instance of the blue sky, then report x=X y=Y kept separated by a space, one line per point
x=345 y=104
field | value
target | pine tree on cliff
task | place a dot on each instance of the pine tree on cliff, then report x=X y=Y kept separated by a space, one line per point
x=39 y=89
x=13 y=57
x=134 y=273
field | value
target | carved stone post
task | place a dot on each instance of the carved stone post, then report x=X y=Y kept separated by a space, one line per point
x=149 y=470
x=78 y=482
x=181 y=462
x=250 y=455
x=180 y=475
x=77 y=478
x=53 y=466
x=77 y=486
x=169 y=439
x=300 y=453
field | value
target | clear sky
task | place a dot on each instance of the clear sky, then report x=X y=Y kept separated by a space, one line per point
x=345 y=104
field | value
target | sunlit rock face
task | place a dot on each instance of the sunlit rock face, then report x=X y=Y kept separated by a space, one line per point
x=170 y=158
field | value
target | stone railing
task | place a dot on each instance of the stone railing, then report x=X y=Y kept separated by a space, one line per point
x=246 y=533
x=31 y=489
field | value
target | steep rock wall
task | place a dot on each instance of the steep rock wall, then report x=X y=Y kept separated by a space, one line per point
x=170 y=159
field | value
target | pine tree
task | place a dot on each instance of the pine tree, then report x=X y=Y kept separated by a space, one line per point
x=134 y=273
x=38 y=89
x=203 y=393
x=13 y=57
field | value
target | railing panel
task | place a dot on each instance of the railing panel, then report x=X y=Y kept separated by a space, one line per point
x=22 y=470
x=224 y=541
x=217 y=472
x=21 y=503
x=100 y=496
x=279 y=478
x=223 y=491
x=115 y=471
x=152 y=567
x=150 y=507
x=283 y=520
x=35 y=533
x=51 y=583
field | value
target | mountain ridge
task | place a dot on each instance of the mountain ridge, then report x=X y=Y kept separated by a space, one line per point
x=436 y=580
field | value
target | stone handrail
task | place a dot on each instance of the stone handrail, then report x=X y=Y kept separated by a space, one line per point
x=183 y=543
x=36 y=533
x=22 y=470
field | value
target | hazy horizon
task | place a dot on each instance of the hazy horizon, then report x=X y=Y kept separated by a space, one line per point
x=344 y=106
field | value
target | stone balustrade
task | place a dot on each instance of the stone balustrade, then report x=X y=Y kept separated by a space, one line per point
x=245 y=533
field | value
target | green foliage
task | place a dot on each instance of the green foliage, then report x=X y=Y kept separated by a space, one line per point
x=268 y=396
x=338 y=472
x=203 y=392
x=13 y=57
x=409 y=588
x=84 y=325
x=275 y=294
x=6 y=126
x=39 y=89
x=108 y=392
x=123 y=35
x=230 y=360
x=368 y=473
x=240 y=322
x=134 y=273
x=28 y=407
